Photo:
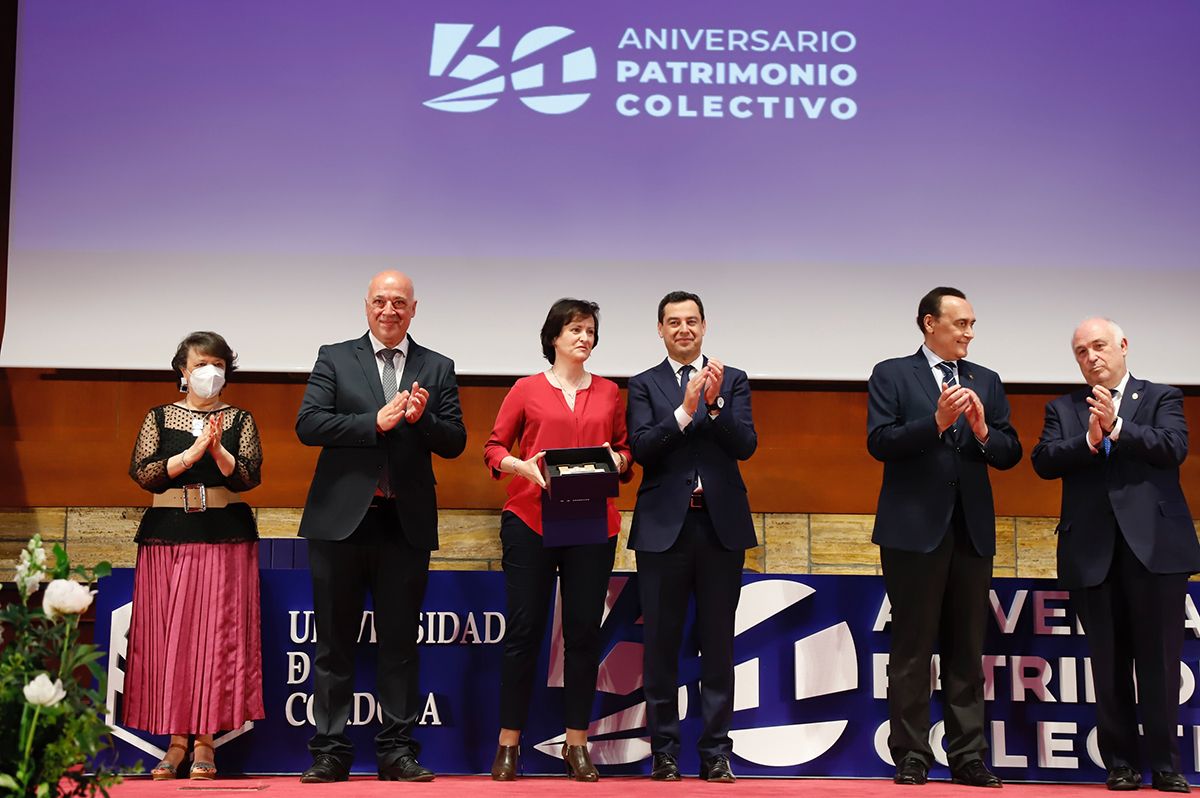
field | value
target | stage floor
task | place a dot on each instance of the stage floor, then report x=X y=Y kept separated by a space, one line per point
x=552 y=787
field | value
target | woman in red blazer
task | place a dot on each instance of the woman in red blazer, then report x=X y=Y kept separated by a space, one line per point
x=562 y=407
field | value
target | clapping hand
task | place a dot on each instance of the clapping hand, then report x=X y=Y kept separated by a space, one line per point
x=203 y=443
x=1102 y=415
x=390 y=414
x=976 y=416
x=1102 y=407
x=694 y=390
x=951 y=404
x=418 y=399
x=715 y=370
x=216 y=425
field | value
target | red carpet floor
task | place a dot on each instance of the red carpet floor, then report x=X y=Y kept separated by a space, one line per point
x=552 y=787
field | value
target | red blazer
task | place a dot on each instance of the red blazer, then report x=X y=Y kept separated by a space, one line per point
x=535 y=416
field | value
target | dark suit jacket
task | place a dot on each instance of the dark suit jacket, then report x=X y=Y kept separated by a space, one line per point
x=1136 y=487
x=670 y=460
x=924 y=473
x=344 y=395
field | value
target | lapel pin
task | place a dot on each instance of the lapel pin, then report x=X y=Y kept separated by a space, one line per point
x=1134 y=396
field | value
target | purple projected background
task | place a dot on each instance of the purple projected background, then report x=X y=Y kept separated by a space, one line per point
x=257 y=162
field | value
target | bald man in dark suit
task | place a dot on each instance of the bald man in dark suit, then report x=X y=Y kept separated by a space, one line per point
x=1126 y=545
x=379 y=407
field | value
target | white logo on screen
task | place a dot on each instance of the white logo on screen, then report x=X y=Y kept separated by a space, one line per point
x=458 y=54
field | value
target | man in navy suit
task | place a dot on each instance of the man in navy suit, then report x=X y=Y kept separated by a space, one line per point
x=378 y=406
x=938 y=423
x=1126 y=545
x=689 y=425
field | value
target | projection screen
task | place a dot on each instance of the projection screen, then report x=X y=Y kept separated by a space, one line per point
x=810 y=169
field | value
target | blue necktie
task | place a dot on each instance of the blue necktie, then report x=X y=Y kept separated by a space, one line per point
x=685 y=374
x=949 y=377
x=1107 y=442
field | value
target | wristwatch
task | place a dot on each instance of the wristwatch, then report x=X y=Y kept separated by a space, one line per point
x=715 y=407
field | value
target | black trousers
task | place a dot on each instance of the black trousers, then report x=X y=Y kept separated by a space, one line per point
x=1134 y=622
x=375 y=558
x=529 y=572
x=695 y=566
x=937 y=598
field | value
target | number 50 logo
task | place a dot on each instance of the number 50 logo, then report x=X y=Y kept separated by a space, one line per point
x=453 y=57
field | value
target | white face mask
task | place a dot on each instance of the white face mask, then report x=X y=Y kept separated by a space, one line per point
x=207 y=381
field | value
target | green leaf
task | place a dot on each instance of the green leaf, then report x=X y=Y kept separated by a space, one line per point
x=9 y=782
x=102 y=569
x=62 y=563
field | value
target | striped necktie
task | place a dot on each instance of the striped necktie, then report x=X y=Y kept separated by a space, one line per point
x=949 y=375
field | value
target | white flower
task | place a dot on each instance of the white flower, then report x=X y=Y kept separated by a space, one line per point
x=31 y=567
x=65 y=597
x=41 y=692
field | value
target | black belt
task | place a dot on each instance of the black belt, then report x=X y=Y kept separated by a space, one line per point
x=696 y=502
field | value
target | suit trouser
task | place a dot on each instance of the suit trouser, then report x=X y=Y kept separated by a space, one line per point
x=1134 y=620
x=695 y=565
x=376 y=558
x=529 y=572
x=939 y=597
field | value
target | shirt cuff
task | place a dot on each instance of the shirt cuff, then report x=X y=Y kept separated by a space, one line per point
x=682 y=418
x=1093 y=449
x=1116 y=430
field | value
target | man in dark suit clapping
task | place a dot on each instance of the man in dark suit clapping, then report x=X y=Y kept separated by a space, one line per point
x=938 y=423
x=1126 y=545
x=378 y=406
x=689 y=426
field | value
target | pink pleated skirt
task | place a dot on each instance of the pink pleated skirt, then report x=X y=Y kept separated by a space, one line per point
x=195 y=650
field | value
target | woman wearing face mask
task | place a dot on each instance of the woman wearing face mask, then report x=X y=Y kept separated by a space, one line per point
x=194 y=665
x=562 y=407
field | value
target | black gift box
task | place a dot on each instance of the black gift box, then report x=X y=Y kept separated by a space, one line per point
x=575 y=505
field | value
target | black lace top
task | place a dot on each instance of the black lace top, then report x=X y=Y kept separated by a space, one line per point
x=169 y=430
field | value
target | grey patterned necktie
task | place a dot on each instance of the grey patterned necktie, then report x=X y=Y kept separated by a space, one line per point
x=389 y=373
x=948 y=374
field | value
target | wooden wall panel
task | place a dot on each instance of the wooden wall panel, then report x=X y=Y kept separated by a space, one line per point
x=65 y=439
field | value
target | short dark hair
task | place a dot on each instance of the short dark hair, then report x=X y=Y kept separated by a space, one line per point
x=206 y=343
x=562 y=313
x=679 y=296
x=931 y=303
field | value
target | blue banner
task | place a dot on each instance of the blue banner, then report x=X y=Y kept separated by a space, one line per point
x=811 y=682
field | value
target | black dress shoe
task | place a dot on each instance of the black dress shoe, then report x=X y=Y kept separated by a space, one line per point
x=325 y=769
x=717 y=770
x=665 y=768
x=578 y=763
x=405 y=768
x=911 y=771
x=975 y=774
x=1122 y=778
x=504 y=766
x=1166 y=781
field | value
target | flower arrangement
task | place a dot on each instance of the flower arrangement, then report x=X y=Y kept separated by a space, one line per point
x=52 y=728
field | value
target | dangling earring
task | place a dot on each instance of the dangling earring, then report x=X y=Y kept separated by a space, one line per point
x=183 y=384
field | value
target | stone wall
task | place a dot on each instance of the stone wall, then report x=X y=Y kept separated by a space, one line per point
x=797 y=543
